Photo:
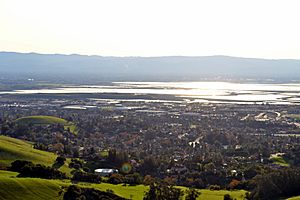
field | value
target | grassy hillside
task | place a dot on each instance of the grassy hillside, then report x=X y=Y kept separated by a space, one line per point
x=7 y=174
x=41 y=120
x=44 y=120
x=38 y=189
x=29 y=189
x=12 y=188
x=294 y=198
x=12 y=149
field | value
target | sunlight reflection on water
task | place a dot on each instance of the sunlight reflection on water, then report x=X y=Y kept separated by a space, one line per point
x=208 y=91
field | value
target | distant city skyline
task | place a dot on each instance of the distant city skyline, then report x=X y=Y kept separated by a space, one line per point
x=251 y=28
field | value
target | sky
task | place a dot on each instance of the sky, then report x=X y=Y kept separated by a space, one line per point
x=245 y=28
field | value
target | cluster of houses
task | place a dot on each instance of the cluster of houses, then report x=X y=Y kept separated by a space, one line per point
x=184 y=134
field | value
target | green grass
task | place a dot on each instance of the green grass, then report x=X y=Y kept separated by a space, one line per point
x=29 y=189
x=41 y=120
x=134 y=192
x=36 y=189
x=219 y=195
x=104 y=153
x=45 y=120
x=12 y=149
x=294 y=198
x=8 y=174
x=279 y=160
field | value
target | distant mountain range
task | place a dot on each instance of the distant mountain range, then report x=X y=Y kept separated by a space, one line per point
x=81 y=67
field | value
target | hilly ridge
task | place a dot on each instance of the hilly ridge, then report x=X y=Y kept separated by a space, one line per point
x=12 y=149
x=44 y=120
x=144 y=68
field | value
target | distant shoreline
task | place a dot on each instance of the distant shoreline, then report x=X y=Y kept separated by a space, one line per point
x=222 y=92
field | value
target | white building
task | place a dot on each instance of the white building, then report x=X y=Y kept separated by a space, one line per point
x=105 y=172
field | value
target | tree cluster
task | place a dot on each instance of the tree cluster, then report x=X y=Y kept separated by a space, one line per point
x=86 y=177
x=28 y=169
x=279 y=183
x=76 y=193
x=163 y=192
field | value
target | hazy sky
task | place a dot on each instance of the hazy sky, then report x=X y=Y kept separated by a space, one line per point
x=248 y=28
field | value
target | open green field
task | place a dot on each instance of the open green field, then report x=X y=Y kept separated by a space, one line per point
x=219 y=195
x=44 y=120
x=137 y=192
x=279 y=160
x=38 y=189
x=12 y=149
x=29 y=188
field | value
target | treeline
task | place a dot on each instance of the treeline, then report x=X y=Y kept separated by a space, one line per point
x=73 y=192
x=29 y=169
x=86 y=177
x=162 y=191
